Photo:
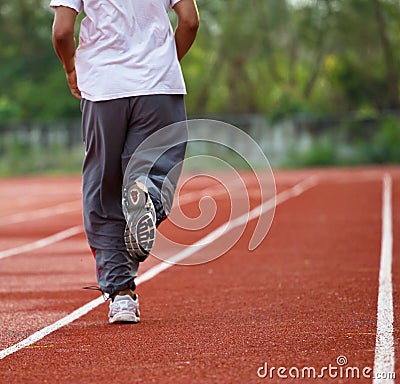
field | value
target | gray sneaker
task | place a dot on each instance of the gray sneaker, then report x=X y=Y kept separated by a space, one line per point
x=140 y=231
x=124 y=309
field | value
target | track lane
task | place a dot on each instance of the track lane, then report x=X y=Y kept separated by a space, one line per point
x=210 y=238
x=220 y=321
x=25 y=194
x=396 y=273
x=38 y=272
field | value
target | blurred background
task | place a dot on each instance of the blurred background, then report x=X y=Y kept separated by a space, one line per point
x=315 y=83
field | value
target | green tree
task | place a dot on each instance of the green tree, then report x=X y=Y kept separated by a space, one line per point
x=363 y=63
x=273 y=57
x=32 y=84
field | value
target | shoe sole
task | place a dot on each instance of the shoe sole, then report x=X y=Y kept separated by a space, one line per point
x=140 y=231
x=124 y=317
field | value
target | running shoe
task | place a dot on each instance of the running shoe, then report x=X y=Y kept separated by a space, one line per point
x=124 y=309
x=140 y=231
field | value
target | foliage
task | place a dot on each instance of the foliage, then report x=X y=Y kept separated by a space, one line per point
x=358 y=141
x=269 y=57
x=274 y=57
x=279 y=57
x=384 y=146
x=19 y=157
x=32 y=83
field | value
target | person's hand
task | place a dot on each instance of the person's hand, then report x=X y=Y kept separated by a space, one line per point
x=73 y=84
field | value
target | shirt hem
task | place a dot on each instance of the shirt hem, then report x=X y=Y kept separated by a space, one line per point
x=90 y=97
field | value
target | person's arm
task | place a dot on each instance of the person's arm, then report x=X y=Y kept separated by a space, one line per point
x=188 y=24
x=64 y=44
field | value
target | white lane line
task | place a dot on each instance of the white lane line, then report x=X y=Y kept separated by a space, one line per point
x=42 y=213
x=384 y=347
x=157 y=269
x=76 y=205
x=59 y=236
x=64 y=208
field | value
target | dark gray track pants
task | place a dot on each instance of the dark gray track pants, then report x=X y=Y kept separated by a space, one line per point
x=113 y=132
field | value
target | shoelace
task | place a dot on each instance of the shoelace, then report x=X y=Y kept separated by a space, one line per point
x=105 y=295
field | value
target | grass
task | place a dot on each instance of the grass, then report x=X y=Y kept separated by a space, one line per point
x=21 y=158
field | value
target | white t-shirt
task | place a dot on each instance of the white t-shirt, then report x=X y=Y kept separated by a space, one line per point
x=126 y=48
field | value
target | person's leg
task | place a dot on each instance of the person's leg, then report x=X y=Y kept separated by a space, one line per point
x=104 y=126
x=155 y=147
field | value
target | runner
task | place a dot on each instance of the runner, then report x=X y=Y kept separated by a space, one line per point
x=126 y=72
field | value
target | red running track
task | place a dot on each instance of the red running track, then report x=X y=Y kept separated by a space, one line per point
x=307 y=295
